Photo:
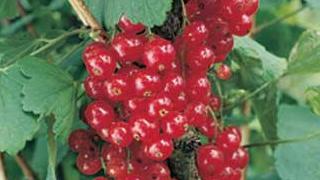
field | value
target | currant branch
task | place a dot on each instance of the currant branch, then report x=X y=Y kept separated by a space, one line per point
x=27 y=172
x=2 y=170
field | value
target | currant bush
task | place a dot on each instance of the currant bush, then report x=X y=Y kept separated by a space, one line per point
x=148 y=92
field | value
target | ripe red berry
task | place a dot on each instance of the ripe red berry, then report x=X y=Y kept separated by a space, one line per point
x=238 y=159
x=195 y=33
x=120 y=134
x=251 y=7
x=132 y=177
x=229 y=140
x=100 y=178
x=143 y=127
x=210 y=160
x=146 y=83
x=127 y=26
x=174 y=84
x=214 y=102
x=92 y=49
x=200 y=58
x=129 y=47
x=242 y=26
x=158 y=149
x=79 y=140
x=158 y=171
x=180 y=102
x=134 y=105
x=158 y=54
x=230 y=174
x=159 y=106
x=99 y=114
x=174 y=125
x=118 y=87
x=88 y=166
x=232 y=9
x=224 y=72
x=198 y=88
x=117 y=167
x=197 y=114
x=94 y=88
x=102 y=64
x=109 y=152
x=209 y=128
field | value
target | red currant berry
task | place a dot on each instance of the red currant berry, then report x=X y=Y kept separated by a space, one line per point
x=118 y=87
x=127 y=26
x=251 y=6
x=210 y=160
x=158 y=54
x=238 y=159
x=129 y=47
x=94 y=88
x=241 y=27
x=99 y=114
x=120 y=134
x=138 y=155
x=232 y=9
x=100 y=178
x=215 y=102
x=230 y=174
x=79 y=140
x=159 y=149
x=180 y=102
x=88 y=166
x=158 y=171
x=198 y=88
x=174 y=125
x=195 y=33
x=92 y=49
x=221 y=45
x=174 y=84
x=134 y=105
x=117 y=167
x=159 y=106
x=102 y=64
x=146 y=83
x=109 y=152
x=143 y=127
x=209 y=128
x=200 y=58
x=132 y=177
x=228 y=140
x=224 y=72
x=197 y=114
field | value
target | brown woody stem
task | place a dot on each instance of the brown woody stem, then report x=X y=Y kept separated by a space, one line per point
x=2 y=170
x=27 y=172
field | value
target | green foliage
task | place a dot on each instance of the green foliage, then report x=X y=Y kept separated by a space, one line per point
x=313 y=3
x=149 y=12
x=313 y=98
x=298 y=160
x=17 y=126
x=49 y=91
x=8 y=8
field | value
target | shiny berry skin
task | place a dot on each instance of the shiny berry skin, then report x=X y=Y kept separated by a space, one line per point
x=100 y=178
x=120 y=134
x=128 y=69
x=195 y=33
x=79 y=140
x=174 y=124
x=102 y=64
x=159 y=106
x=92 y=49
x=210 y=160
x=134 y=105
x=158 y=149
x=179 y=102
x=132 y=177
x=126 y=25
x=138 y=155
x=232 y=9
x=197 y=114
x=117 y=167
x=230 y=174
x=223 y=72
x=251 y=7
x=129 y=47
x=174 y=84
x=200 y=58
x=143 y=127
x=99 y=114
x=88 y=166
x=238 y=159
x=158 y=54
x=198 y=88
x=215 y=102
x=109 y=152
x=241 y=27
x=118 y=87
x=222 y=45
x=94 y=88
x=209 y=128
x=146 y=83
x=158 y=171
x=229 y=140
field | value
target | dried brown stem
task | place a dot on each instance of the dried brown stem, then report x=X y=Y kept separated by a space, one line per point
x=27 y=172
x=2 y=170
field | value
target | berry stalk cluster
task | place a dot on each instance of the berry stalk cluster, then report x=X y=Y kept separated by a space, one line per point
x=148 y=92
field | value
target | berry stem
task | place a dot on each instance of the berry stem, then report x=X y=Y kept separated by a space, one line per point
x=284 y=141
x=27 y=172
x=52 y=147
x=185 y=19
x=219 y=89
x=2 y=170
x=278 y=20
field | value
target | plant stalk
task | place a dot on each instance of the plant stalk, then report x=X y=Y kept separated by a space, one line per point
x=2 y=169
x=27 y=172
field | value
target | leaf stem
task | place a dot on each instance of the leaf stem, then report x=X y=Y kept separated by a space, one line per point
x=52 y=149
x=54 y=41
x=27 y=172
x=278 y=20
x=283 y=141
x=2 y=170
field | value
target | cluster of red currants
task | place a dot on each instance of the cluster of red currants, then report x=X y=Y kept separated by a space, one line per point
x=147 y=92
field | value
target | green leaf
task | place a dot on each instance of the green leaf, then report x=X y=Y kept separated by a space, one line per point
x=8 y=8
x=299 y=160
x=313 y=98
x=259 y=68
x=148 y=12
x=17 y=126
x=49 y=91
x=304 y=58
x=313 y=3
